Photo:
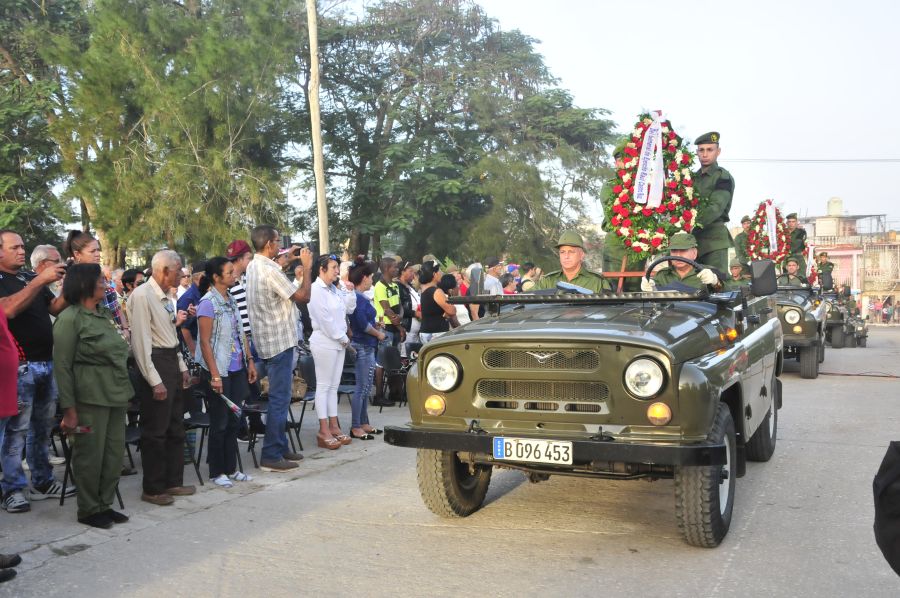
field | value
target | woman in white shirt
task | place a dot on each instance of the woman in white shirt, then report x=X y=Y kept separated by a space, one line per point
x=328 y=343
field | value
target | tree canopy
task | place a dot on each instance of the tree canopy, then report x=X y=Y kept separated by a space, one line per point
x=184 y=124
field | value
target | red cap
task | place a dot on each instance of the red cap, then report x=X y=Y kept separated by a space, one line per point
x=236 y=249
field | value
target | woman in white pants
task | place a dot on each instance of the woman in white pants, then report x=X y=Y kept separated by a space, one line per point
x=328 y=342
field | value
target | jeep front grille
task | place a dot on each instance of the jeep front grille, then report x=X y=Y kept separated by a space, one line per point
x=541 y=359
x=542 y=391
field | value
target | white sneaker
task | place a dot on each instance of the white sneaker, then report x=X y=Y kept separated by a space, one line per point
x=240 y=476
x=54 y=460
x=53 y=490
x=223 y=481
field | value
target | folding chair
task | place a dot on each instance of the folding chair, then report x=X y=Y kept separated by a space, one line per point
x=254 y=410
x=198 y=421
x=347 y=385
x=307 y=368
x=389 y=359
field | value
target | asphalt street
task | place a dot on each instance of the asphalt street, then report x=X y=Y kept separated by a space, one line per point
x=351 y=523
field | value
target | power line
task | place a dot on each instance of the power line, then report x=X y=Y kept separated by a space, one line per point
x=817 y=160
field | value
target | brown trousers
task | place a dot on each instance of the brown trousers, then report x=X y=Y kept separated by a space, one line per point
x=162 y=427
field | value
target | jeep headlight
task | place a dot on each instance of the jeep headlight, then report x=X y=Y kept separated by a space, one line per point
x=644 y=378
x=859 y=328
x=442 y=373
x=792 y=316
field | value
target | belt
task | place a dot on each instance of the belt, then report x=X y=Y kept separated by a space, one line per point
x=164 y=351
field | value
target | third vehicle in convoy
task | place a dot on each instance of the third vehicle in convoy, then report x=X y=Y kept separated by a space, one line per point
x=802 y=313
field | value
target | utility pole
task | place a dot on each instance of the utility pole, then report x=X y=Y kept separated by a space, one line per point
x=318 y=154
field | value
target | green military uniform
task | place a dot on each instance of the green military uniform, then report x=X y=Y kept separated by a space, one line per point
x=788 y=280
x=89 y=363
x=715 y=186
x=825 y=268
x=740 y=247
x=734 y=284
x=669 y=274
x=850 y=304
x=584 y=278
x=798 y=243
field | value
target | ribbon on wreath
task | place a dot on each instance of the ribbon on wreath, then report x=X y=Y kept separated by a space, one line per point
x=810 y=260
x=772 y=228
x=648 y=188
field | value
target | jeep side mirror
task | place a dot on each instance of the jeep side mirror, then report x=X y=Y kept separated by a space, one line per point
x=763 y=280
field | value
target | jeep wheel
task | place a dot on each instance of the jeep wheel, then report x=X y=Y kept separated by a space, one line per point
x=762 y=444
x=837 y=338
x=447 y=486
x=851 y=341
x=809 y=362
x=704 y=496
x=862 y=342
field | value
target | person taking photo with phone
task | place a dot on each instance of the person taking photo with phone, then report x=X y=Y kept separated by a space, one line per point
x=90 y=355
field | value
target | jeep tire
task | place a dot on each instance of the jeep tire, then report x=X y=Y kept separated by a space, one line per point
x=761 y=445
x=704 y=496
x=809 y=362
x=862 y=342
x=851 y=340
x=837 y=337
x=446 y=484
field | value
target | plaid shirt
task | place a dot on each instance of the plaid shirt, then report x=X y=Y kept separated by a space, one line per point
x=111 y=302
x=273 y=317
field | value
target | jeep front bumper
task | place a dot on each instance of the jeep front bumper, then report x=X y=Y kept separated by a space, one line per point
x=584 y=451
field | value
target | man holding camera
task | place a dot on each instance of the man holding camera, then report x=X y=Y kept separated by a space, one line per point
x=273 y=318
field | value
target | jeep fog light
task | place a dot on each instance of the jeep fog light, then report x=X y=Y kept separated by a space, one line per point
x=435 y=405
x=442 y=373
x=659 y=414
x=644 y=378
x=797 y=329
x=792 y=316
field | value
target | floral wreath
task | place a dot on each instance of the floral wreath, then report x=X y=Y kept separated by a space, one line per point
x=758 y=236
x=644 y=229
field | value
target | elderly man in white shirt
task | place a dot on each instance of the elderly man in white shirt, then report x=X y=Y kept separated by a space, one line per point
x=273 y=318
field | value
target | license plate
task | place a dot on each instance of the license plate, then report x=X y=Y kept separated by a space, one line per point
x=554 y=452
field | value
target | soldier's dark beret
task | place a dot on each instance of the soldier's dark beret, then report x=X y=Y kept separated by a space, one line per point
x=711 y=137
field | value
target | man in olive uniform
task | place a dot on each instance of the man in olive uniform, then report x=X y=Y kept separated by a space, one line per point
x=823 y=266
x=614 y=246
x=715 y=186
x=798 y=240
x=738 y=279
x=684 y=244
x=740 y=245
x=849 y=301
x=791 y=275
x=571 y=258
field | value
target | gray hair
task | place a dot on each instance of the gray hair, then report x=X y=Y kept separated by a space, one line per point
x=41 y=253
x=165 y=258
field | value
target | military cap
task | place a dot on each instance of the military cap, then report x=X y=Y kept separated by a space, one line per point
x=792 y=215
x=735 y=264
x=711 y=137
x=823 y=254
x=792 y=258
x=619 y=150
x=745 y=219
x=571 y=238
x=682 y=240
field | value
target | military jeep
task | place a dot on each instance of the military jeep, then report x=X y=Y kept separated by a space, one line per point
x=859 y=336
x=802 y=313
x=676 y=384
x=838 y=328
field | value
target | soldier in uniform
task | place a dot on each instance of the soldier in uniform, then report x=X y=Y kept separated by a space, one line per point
x=823 y=266
x=684 y=244
x=740 y=245
x=716 y=186
x=571 y=258
x=614 y=247
x=849 y=301
x=798 y=240
x=791 y=275
x=738 y=279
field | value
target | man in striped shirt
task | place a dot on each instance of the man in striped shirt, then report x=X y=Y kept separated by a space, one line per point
x=240 y=255
x=273 y=317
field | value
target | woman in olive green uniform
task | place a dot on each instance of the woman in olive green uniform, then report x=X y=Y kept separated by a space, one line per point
x=89 y=356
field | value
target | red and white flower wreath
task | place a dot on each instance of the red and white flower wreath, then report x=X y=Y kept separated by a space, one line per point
x=643 y=229
x=758 y=236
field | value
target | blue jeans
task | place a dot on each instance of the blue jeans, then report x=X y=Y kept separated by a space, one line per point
x=365 y=370
x=275 y=443
x=37 y=406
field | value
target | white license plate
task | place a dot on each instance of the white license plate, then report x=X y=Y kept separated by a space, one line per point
x=556 y=452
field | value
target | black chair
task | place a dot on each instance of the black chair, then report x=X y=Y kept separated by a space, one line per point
x=347 y=385
x=67 y=454
x=198 y=421
x=390 y=361
x=254 y=410
x=307 y=368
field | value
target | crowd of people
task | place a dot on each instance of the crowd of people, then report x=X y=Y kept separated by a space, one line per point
x=91 y=350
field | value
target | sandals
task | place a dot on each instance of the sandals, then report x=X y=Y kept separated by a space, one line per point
x=223 y=481
x=374 y=431
x=343 y=438
x=365 y=436
x=328 y=443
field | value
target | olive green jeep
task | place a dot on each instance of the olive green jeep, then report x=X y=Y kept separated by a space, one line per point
x=838 y=327
x=802 y=313
x=676 y=384
x=860 y=335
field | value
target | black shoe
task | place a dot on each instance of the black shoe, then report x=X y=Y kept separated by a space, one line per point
x=8 y=561
x=101 y=520
x=128 y=471
x=383 y=403
x=7 y=574
x=116 y=517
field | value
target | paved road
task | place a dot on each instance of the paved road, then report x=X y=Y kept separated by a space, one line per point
x=351 y=523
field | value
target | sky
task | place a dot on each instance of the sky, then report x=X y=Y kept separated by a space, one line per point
x=786 y=84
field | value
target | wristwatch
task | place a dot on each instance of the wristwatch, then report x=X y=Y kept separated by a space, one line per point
x=217 y=379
